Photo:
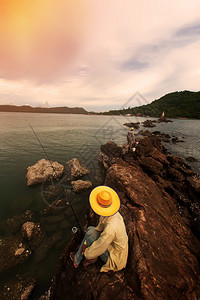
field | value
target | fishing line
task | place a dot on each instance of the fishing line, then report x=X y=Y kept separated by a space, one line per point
x=62 y=187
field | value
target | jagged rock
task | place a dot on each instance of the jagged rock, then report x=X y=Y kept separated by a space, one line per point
x=175 y=159
x=111 y=149
x=156 y=234
x=76 y=169
x=28 y=230
x=144 y=133
x=11 y=226
x=160 y=205
x=162 y=262
x=156 y=132
x=176 y=175
x=194 y=182
x=152 y=165
x=157 y=155
x=176 y=140
x=144 y=147
x=134 y=125
x=81 y=185
x=11 y=254
x=42 y=171
x=165 y=135
x=191 y=159
x=20 y=288
x=148 y=123
x=109 y=154
x=163 y=119
x=19 y=251
x=46 y=296
x=27 y=292
x=32 y=234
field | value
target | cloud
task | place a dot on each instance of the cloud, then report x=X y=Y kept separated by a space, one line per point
x=39 y=39
x=99 y=61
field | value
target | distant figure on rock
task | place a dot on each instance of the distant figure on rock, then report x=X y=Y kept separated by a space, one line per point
x=130 y=139
x=109 y=239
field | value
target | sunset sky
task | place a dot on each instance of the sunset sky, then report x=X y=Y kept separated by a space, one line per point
x=97 y=54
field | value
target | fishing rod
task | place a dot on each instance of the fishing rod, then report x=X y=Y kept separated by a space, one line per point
x=62 y=187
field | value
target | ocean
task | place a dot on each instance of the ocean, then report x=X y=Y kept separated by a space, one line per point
x=65 y=137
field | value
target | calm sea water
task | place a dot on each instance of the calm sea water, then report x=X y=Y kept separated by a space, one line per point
x=65 y=137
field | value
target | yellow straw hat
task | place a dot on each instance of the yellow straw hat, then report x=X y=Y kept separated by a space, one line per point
x=104 y=201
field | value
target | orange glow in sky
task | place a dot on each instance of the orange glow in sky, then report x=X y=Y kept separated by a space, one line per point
x=39 y=38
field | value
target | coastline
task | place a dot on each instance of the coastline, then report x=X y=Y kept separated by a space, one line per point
x=125 y=129
x=149 y=200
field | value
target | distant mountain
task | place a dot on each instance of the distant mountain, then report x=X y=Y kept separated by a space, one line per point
x=57 y=110
x=184 y=104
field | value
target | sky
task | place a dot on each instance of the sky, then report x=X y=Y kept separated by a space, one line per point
x=99 y=55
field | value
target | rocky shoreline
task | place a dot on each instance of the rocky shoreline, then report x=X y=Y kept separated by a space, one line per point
x=160 y=204
x=159 y=195
x=28 y=237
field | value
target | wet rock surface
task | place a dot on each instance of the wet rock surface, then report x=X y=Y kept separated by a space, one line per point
x=81 y=185
x=22 y=240
x=75 y=169
x=12 y=225
x=164 y=120
x=19 y=289
x=42 y=171
x=134 y=125
x=28 y=230
x=148 y=123
x=191 y=159
x=13 y=252
x=160 y=205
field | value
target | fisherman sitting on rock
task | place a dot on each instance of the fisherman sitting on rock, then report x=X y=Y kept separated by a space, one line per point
x=109 y=239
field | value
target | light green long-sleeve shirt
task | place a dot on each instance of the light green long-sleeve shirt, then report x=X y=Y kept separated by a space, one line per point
x=114 y=239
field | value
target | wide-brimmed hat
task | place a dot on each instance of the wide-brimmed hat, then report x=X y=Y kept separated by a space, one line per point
x=104 y=201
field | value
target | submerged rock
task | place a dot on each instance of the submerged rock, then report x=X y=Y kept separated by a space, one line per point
x=191 y=159
x=148 y=123
x=19 y=251
x=28 y=230
x=134 y=125
x=176 y=140
x=163 y=119
x=12 y=225
x=20 y=288
x=42 y=171
x=76 y=169
x=81 y=185
x=194 y=181
x=11 y=254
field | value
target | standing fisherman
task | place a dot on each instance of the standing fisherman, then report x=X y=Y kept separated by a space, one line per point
x=109 y=239
x=130 y=139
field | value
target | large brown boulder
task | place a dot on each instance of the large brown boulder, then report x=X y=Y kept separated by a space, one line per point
x=148 y=123
x=163 y=251
x=160 y=205
x=81 y=185
x=162 y=261
x=76 y=169
x=42 y=171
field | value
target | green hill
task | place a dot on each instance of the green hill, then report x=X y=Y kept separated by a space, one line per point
x=184 y=104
